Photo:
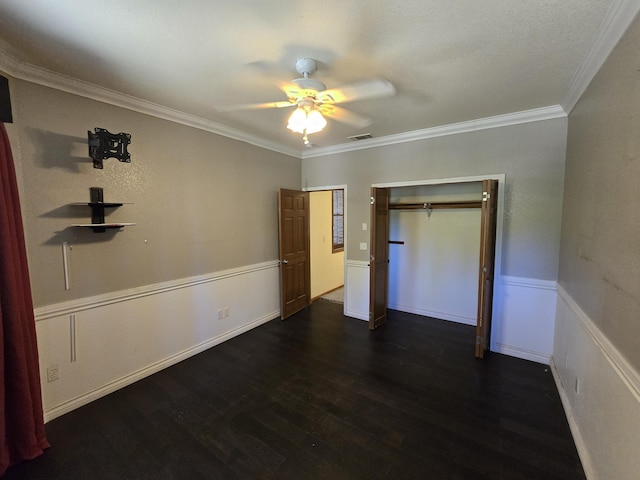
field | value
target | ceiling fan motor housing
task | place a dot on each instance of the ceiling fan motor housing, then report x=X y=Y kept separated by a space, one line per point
x=306 y=66
x=308 y=86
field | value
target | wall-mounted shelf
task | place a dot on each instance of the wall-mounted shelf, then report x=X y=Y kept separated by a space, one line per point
x=101 y=227
x=98 y=206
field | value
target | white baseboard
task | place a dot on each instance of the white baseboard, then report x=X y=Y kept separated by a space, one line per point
x=105 y=343
x=432 y=313
x=122 y=382
x=582 y=449
x=521 y=353
x=600 y=392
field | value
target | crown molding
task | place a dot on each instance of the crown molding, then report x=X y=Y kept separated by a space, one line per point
x=527 y=116
x=12 y=65
x=615 y=23
x=618 y=19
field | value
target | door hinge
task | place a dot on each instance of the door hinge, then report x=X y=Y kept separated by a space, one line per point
x=478 y=340
x=486 y=196
x=370 y=315
x=373 y=200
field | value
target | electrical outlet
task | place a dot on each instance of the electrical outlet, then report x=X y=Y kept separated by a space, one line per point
x=220 y=314
x=53 y=373
x=226 y=312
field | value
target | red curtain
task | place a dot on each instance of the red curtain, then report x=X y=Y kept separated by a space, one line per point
x=21 y=420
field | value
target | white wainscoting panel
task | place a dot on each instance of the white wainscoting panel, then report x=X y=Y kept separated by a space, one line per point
x=600 y=392
x=104 y=343
x=356 y=302
x=524 y=318
x=523 y=312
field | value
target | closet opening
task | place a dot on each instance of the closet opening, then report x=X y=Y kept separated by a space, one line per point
x=433 y=252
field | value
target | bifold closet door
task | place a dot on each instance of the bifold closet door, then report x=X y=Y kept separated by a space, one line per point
x=487 y=261
x=379 y=257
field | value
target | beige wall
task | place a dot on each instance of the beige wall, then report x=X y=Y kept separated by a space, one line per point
x=600 y=248
x=530 y=155
x=327 y=268
x=196 y=208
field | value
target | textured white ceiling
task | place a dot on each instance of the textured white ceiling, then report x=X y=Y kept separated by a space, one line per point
x=450 y=61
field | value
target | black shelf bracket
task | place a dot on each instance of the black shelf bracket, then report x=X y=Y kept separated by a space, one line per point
x=103 y=144
x=98 y=206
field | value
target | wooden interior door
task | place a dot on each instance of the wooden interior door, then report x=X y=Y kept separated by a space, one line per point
x=487 y=261
x=379 y=257
x=295 y=272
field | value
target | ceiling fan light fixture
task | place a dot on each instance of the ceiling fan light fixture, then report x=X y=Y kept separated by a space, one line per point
x=315 y=121
x=306 y=119
x=298 y=120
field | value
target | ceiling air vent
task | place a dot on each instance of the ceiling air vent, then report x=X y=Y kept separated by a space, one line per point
x=362 y=136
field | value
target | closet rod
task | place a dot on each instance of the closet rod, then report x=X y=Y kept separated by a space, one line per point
x=435 y=205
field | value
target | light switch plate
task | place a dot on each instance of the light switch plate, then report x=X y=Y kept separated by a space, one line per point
x=363 y=246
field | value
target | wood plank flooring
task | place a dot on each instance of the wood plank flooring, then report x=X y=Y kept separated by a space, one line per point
x=319 y=396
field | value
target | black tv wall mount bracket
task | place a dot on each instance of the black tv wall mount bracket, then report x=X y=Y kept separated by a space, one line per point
x=103 y=144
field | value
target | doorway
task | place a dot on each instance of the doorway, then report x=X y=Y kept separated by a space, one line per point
x=327 y=241
x=489 y=202
x=294 y=215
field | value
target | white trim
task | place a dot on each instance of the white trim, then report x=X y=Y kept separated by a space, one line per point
x=87 y=303
x=357 y=264
x=527 y=116
x=449 y=317
x=529 y=282
x=629 y=376
x=581 y=447
x=522 y=353
x=111 y=387
x=619 y=16
x=41 y=76
x=113 y=323
x=13 y=66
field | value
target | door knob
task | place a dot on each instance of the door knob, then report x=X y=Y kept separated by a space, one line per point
x=284 y=261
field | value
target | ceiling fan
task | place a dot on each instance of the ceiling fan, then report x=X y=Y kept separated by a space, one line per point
x=314 y=101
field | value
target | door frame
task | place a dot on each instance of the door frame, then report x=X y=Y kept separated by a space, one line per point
x=497 y=279
x=346 y=241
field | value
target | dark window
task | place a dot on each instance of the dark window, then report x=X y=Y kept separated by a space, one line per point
x=338 y=221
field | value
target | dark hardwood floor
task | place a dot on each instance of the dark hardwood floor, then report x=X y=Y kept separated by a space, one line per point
x=318 y=396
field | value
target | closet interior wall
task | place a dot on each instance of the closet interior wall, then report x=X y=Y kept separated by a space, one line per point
x=433 y=253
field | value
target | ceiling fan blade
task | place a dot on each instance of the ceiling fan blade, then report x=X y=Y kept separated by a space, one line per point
x=255 y=106
x=345 y=116
x=377 y=87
